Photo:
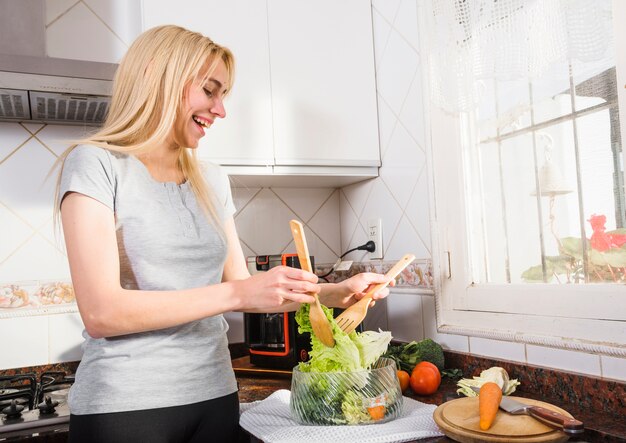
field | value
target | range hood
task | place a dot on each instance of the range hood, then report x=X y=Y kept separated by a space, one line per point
x=37 y=88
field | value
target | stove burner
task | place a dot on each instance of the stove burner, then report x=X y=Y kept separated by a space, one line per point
x=48 y=406
x=35 y=405
x=20 y=387
x=13 y=411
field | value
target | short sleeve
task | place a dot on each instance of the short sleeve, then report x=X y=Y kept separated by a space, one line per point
x=88 y=171
x=220 y=183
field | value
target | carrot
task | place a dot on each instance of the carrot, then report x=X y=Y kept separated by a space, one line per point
x=489 y=399
x=376 y=412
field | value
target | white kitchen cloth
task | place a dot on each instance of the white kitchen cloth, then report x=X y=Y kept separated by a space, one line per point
x=270 y=420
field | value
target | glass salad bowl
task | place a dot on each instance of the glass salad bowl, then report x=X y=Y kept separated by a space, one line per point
x=346 y=398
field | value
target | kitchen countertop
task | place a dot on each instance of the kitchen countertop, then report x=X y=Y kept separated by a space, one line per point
x=599 y=404
x=257 y=384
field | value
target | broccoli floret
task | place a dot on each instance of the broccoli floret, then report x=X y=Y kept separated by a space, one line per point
x=410 y=354
x=429 y=350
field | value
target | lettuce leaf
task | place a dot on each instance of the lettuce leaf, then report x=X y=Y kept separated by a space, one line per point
x=352 y=352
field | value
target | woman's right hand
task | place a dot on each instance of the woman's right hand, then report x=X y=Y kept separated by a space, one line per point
x=282 y=285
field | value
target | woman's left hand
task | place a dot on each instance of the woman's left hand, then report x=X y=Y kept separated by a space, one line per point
x=348 y=292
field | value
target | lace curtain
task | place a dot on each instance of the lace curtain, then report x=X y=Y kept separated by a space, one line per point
x=473 y=40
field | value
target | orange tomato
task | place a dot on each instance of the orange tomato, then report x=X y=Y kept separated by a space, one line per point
x=425 y=379
x=403 y=378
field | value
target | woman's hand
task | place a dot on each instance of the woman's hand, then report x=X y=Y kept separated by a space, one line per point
x=276 y=289
x=348 y=292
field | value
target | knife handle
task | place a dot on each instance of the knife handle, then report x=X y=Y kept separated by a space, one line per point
x=566 y=424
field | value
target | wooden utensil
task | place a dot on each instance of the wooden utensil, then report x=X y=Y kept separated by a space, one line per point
x=459 y=420
x=319 y=322
x=352 y=317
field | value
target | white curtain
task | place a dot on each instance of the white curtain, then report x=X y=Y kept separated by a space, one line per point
x=473 y=40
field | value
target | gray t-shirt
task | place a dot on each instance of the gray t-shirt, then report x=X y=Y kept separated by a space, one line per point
x=165 y=243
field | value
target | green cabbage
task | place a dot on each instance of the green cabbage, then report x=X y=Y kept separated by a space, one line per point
x=494 y=374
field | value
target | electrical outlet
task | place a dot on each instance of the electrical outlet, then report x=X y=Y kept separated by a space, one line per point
x=375 y=234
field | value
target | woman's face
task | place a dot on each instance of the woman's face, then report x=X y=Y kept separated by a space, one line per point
x=203 y=104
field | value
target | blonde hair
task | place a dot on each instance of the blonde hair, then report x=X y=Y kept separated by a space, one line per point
x=148 y=91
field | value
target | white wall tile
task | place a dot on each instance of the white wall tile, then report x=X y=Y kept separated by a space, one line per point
x=348 y=221
x=387 y=122
x=381 y=204
x=359 y=237
x=37 y=259
x=406 y=22
x=396 y=71
x=33 y=128
x=242 y=196
x=613 y=367
x=24 y=341
x=402 y=165
x=325 y=223
x=122 y=16
x=65 y=337
x=13 y=232
x=264 y=223
x=303 y=202
x=405 y=317
x=405 y=241
x=59 y=137
x=387 y=8
x=357 y=195
x=23 y=185
x=317 y=248
x=497 y=349
x=382 y=30
x=54 y=235
x=12 y=135
x=418 y=211
x=412 y=114
x=563 y=359
x=79 y=34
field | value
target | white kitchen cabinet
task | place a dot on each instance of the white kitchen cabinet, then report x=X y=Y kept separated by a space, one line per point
x=245 y=136
x=323 y=83
x=304 y=99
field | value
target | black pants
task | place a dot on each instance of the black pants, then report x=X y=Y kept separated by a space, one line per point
x=208 y=421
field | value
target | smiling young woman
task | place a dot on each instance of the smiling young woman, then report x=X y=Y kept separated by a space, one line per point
x=155 y=257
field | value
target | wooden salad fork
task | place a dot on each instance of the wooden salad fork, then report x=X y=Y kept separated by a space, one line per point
x=352 y=317
x=319 y=322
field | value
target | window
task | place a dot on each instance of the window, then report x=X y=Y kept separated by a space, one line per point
x=530 y=219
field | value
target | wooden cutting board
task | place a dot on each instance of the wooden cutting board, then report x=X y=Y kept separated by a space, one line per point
x=458 y=419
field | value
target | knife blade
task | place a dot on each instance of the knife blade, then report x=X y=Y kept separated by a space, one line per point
x=554 y=419
x=551 y=418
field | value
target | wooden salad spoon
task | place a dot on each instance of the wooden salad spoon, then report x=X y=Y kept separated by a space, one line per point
x=319 y=322
x=352 y=317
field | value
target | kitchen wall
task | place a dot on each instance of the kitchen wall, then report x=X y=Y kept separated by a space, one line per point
x=32 y=257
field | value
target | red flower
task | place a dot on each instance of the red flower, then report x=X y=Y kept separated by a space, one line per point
x=600 y=240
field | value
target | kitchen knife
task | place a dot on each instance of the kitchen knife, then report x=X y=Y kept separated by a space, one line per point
x=549 y=417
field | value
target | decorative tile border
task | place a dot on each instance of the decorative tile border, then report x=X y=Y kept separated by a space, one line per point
x=417 y=275
x=36 y=298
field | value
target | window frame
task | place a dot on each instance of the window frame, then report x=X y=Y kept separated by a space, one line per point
x=577 y=317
